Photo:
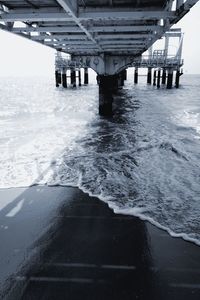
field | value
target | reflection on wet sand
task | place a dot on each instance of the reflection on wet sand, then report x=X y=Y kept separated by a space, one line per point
x=72 y=246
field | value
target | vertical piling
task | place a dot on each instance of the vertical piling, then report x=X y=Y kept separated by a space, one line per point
x=170 y=79
x=79 y=77
x=158 y=79
x=64 y=79
x=107 y=84
x=136 y=75
x=86 y=76
x=177 y=79
x=121 y=78
x=73 y=77
x=164 y=76
x=149 y=76
x=59 y=77
x=125 y=74
x=56 y=78
x=154 y=77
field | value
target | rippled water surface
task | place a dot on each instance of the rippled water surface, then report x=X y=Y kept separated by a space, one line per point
x=144 y=161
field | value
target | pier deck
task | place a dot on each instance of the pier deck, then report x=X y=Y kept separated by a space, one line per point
x=89 y=27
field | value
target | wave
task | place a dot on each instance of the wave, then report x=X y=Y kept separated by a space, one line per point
x=168 y=146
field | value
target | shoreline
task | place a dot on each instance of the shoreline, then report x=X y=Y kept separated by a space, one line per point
x=114 y=208
x=57 y=236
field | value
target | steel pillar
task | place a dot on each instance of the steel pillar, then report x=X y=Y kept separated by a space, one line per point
x=125 y=74
x=64 y=79
x=79 y=77
x=164 y=76
x=154 y=77
x=57 y=78
x=86 y=76
x=97 y=79
x=73 y=77
x=136 y=75
x=170 y=79
x=158 y=79
x=177 y=79
x=121 y=78
x=149 y=75
x=107 y=85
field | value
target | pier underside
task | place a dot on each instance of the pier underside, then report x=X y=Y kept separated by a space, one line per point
x=91 y=27
x=105 y=35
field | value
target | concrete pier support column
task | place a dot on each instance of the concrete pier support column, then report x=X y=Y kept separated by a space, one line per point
x=177 y=79
x=107 y=85
x=73 y=77
x=120 y=79
x=158 y=79
x=125 y=74
x=154 y=77
x=136 y=75
x=79 y=77
x=149 y=75
x=57 y=78
x=64 y=79
x=164 y=76
x=170 y=79
x=86 y=79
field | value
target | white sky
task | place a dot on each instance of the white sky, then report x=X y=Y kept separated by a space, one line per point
x=19 y=56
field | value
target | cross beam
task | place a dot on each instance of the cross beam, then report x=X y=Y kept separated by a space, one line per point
x=69 y=8
x=103 y=28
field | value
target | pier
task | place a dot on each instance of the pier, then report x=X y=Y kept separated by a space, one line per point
x=58 y=242
x=107 y=36
x=158 y=61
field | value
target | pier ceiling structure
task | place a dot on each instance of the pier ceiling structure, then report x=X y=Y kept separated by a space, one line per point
x=108 y=33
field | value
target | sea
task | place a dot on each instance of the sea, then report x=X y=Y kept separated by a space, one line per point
x=143 y=161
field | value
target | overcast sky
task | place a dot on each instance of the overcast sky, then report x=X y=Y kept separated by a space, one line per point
x=19 y=56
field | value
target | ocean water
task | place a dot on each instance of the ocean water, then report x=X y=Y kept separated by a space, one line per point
x=144 y=161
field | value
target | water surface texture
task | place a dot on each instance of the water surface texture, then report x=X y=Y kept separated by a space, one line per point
x=144 y=161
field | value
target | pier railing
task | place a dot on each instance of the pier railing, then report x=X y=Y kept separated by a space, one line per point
x=67 y=63
x=158 y=62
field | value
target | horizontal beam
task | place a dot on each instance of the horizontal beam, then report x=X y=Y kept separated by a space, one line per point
x=36 y=11
x=35 y=17
x=103 y=28
x=130 y=15
x=61 y=37
x=116 y=37
x=56 y=17
x=173 y=34
x=123 y=36
x=125 y=47
x=125 y=28
x=125 y=52
x=64 y=29
x=69 y=43
x=120 y=42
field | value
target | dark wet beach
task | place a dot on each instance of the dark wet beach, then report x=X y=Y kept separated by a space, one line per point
x=62 y=244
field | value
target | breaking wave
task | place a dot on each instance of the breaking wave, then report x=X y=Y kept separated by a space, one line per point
x=143 y=162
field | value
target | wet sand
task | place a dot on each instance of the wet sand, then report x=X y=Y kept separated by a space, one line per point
x=59 y=243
